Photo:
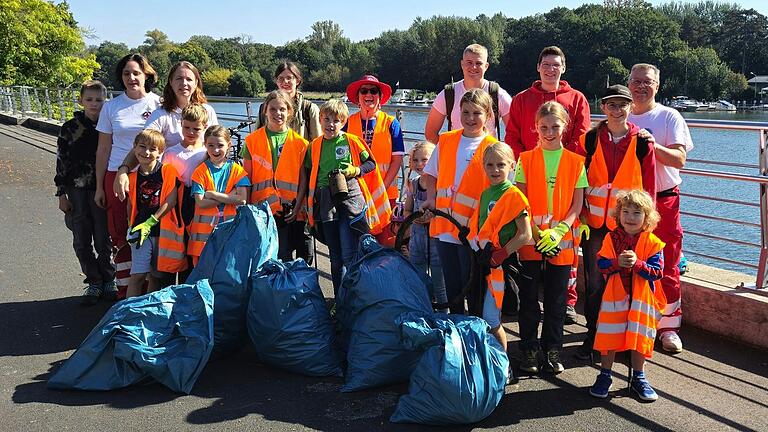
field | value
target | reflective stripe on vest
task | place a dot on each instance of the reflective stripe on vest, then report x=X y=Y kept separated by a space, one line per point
x=381 y=143
x=205 y=219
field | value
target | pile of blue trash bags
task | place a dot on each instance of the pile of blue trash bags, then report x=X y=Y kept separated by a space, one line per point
x=385 y=332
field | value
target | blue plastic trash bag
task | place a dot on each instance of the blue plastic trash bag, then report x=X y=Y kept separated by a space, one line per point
x=377 y=288
x=166 y=335
x=461 y=375
x=234 y=249
x=288 y=321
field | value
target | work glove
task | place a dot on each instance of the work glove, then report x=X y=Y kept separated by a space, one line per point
x=551 y=237
x=498 y=256
x=143 y=229
x=584 y=230
x=349 y=170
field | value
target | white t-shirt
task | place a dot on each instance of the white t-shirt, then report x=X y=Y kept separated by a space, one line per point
x=185 y=160
x=170 y=124
x=505 y=101
x=668 y=127
x=464 y=153
x=124 y=118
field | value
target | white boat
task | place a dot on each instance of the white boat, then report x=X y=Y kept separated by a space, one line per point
x=409 y=97
x=722 y=105
x=683 y=103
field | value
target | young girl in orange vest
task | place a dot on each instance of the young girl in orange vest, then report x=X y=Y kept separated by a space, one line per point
x=219 y=185
x=632 y=261
x=273 y=157
x=454 y=180
x=553 y=179
x=500 y=226
x=340 y=220
x=153 y=217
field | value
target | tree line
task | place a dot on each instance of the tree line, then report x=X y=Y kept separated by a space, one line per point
x=705 y=50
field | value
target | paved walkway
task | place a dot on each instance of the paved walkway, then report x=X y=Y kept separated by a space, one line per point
x=712 y=386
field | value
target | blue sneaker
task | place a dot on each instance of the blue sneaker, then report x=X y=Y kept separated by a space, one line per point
x=602 y=386
x=643 y=388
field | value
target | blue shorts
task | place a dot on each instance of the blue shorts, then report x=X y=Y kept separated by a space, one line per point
x=491 y=314
x=144 y=259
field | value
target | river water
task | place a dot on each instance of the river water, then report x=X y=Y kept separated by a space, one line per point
x=710 y=145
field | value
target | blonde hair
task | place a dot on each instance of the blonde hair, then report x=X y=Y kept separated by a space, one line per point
x=500 y=149
x=280 y=96
x=150 y=137
x=642 y=200
x=554 y=109
x=479 y=97
x=476 y=49
x=217 y=131
x=195 y=113
x=336 y=108
x=421 y=145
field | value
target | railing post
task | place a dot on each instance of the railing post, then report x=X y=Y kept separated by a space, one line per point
x=39 y=109
x=62 y=111
x=48 y=106
x=762 y=266
x=13 y=101
x=25 y=105
x=249 y=113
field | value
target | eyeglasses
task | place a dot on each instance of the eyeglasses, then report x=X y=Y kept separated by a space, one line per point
x=550 y=66
x=613 y=106
x=638 y=83
x=372 y=90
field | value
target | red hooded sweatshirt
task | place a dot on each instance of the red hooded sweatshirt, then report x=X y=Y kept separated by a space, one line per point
x=521 y=132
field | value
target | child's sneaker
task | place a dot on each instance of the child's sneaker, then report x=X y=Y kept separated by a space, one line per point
x=109 y=290
x=671 y=342
x=530 y=362
x=511 y=378
x=553 y=364
x=602 y=386
x=91 y=295
x=643 y=388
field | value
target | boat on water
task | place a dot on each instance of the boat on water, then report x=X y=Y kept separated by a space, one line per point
x=409 y=97
x=722 y=105
x=685 y=104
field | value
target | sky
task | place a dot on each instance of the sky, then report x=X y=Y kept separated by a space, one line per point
x=276 y=23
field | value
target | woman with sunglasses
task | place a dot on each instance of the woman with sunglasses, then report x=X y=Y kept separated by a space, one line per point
x=381 y=131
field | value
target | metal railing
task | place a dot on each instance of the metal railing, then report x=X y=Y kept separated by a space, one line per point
x=57 y=104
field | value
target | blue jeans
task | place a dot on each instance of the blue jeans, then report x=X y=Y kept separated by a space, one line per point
x=342 y=243
x=455 y=260
x=422 y=250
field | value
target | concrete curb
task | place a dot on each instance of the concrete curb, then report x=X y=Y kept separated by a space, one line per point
x=50 y=127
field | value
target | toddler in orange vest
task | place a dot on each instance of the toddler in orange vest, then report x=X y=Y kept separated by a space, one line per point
x=632 y=261
x=151 y=206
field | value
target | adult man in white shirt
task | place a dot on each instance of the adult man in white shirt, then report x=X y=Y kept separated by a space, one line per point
x=673 y=142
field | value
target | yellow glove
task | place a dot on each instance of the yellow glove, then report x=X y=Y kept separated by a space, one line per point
x=349 y=170
x=144 y=228
x=584 y=231
x=551 y=237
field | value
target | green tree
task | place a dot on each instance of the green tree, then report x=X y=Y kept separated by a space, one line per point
x=191 y=52
x=245 y=83
x=155 y=40
x=700 y=74
x=108 y=54
x=608 y=72
x=743 y=41
x=223 y=52
x=216 y=81
x=41 y=44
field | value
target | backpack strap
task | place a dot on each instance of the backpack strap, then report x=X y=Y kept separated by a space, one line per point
x=493 y=91
x=590 y=145
x=450 y=96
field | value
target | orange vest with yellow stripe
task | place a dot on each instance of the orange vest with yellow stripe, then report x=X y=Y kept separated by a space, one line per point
x=381 y=144
x=508 y=207
x=629 y=322
x=171 y=254
x=276 y=186
x=601 y=193
x=377 y=209
x=206 y=219
x=460 y=203
x=568 y=172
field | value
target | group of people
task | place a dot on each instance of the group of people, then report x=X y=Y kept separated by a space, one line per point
x=146 y=179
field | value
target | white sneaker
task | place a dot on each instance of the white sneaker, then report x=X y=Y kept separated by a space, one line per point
x=671 y=342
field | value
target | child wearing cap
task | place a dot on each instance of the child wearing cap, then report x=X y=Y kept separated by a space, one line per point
x=618 y=158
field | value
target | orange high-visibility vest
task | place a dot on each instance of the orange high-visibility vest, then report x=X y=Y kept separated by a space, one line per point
x=171 y=252
x=460 y=203
x=377 y=209
x=381 y=144
x=568 y=172
x=509 y=206
x=624 y=322
x=601 y=193
x=276 y=186
x=206 y=219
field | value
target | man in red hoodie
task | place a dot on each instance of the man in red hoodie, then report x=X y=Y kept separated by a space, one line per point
x=521 y=132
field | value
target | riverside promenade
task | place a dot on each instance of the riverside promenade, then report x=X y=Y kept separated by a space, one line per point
x=714 y=385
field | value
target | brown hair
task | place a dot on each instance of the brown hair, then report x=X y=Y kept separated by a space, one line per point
x=93 y=85
x=149 y=71
x=555 y=109
x=280 y=96
x=551 y=50
x=335 y=107
x=195 y=113
x=646 y=67
x=642 y=200
x=169 y=101
x=289 y=66
x=218 y=131
x=150 y=137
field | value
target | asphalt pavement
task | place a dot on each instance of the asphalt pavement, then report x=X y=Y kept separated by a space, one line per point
x=713 y=385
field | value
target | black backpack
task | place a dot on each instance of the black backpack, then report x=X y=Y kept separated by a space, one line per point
x=493 y=91
x=590 y=145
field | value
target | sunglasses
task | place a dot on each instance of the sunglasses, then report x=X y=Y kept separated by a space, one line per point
x=373 y=91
